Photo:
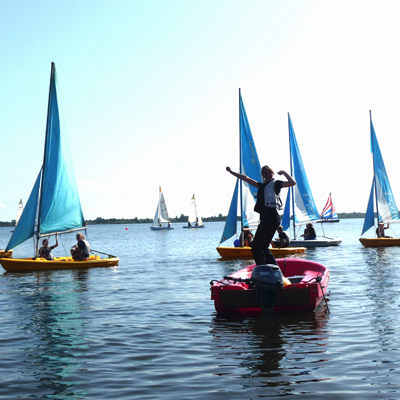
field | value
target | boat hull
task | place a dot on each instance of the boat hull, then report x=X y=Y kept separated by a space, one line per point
x=6 y=254
x=245 y=252
x=31 y=264
x=194 y=227
x=239 y=298
x=163 y=228
x=314 y=243
x=380 y=242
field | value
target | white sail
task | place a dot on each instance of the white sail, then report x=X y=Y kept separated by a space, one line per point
x=19 y=212
x=192 y=211
x=161 y=215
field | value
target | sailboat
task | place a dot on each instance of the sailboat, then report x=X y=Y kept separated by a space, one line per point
x=245 y=194
x=381 y=193
x=161 y=217
x=328 y=214
x=19 y=212
x=53 y=205
x=301 y=199
x=194 y=220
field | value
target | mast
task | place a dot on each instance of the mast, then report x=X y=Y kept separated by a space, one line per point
x=51 y=88
x=373 y=163
x=240 y=161
x=291 y=189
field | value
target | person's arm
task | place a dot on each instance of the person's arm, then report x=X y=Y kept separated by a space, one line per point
x=242 y=177
x=56 y=245
x=290 y=180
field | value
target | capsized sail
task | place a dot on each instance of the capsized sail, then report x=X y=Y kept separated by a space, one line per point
x=384 y=198
x=304 y=208
x=55 y=194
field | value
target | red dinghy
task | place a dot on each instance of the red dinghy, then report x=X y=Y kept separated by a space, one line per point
x=296 y=286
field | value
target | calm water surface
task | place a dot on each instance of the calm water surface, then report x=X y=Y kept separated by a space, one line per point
x=148 y=329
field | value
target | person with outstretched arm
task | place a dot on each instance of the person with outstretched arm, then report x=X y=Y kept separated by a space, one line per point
x=267 y=205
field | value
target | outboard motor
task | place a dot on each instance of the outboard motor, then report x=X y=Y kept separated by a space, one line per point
x=268 y=281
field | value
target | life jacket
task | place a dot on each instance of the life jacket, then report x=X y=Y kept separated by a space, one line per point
x=86 y=249
x=267 y=197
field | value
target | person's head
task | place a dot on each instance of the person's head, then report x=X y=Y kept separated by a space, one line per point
x=79 y=237
x=267 y=173
x=309 y=225
x=280 y=228
x=45 y=242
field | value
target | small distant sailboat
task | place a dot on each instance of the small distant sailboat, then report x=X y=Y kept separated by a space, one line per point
x=53 y=205
x=194 y=220
x=300 y=197
x=244 y=194
x=328 y=214
x=161 y=217
x=19 y=212
x=381 y=191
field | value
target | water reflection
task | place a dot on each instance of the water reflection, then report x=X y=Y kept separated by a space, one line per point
x=270 y=351
x=50 y=317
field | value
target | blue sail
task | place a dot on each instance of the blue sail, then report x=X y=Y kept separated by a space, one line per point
x=386 y=205
x=369 y=215
x=26 y=224
x=57 y=207
x=305 y=209
x=250 y=166
x=60 y=208
x=286 y=212
x=231 y=220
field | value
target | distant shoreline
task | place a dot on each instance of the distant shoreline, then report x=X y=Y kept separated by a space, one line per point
x=182 y=218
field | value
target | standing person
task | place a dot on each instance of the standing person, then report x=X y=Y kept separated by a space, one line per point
x=81 y=251
x=283 y=240
x=45 y=250
x=266 y=205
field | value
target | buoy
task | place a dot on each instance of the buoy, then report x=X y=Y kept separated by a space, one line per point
x=126 y=229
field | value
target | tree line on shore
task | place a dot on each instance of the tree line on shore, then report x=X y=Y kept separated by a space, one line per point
x=182 y=218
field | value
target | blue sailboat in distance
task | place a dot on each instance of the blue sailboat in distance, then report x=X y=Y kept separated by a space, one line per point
x=53 y=206
x=381 y=193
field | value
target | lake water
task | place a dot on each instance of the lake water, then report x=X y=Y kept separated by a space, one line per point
x=147 y=329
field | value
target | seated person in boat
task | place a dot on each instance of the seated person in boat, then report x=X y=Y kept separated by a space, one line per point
x=283 y=240
x=81 y=251
x=246 y=237
x=309 y=232
x=380 y=230
x=45 y=250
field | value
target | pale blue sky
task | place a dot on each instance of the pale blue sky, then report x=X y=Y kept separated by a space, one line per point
x=149 y=94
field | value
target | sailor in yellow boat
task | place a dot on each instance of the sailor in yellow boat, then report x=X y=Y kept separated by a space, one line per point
x=45 y=250
x=380 y=230
x=283 y=239
x=81 y=250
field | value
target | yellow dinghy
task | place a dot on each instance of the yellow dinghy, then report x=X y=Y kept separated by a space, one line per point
x=380 y=242
x=6 y=254
x=245 y=252
x=53 y=206
x=37 y=264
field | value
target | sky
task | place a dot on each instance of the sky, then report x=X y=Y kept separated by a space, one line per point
x=149 y=96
